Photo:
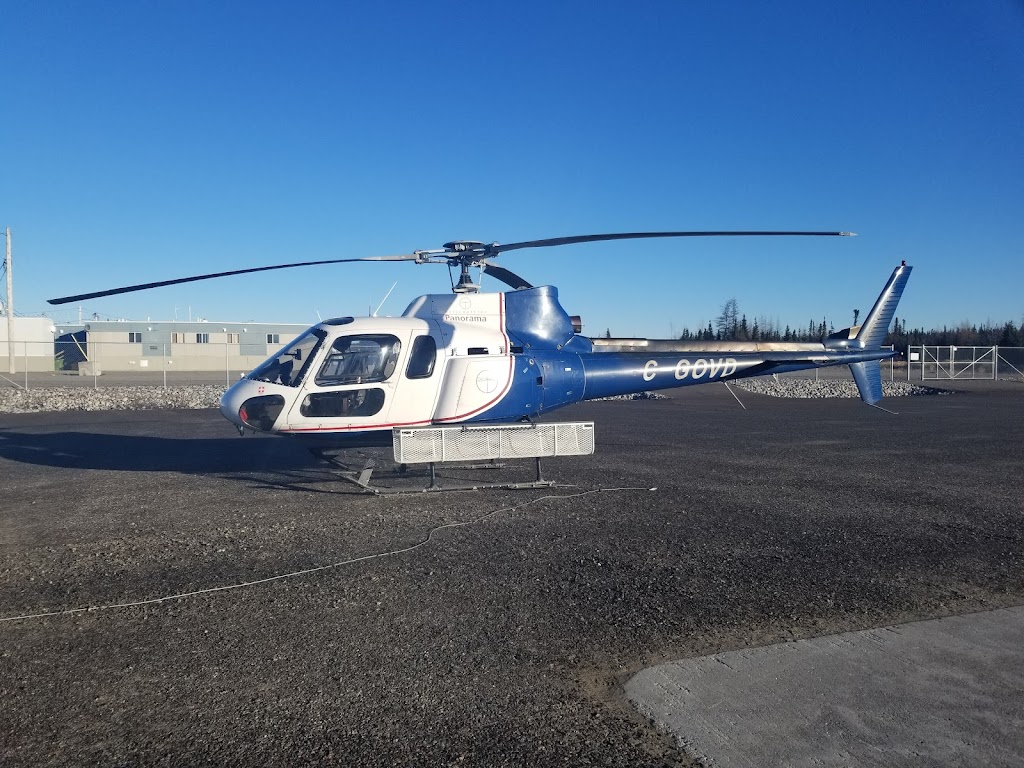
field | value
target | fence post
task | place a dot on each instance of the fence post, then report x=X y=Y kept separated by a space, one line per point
x=25 y=350
x=163 y=362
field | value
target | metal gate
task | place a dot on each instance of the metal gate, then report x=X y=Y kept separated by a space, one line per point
x=1010 y=361
x=956 y=362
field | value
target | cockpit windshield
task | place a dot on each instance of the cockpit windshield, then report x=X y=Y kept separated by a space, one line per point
x=289 y=366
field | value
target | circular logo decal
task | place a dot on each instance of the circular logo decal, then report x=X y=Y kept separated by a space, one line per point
x=465 y=303
x=486 y=382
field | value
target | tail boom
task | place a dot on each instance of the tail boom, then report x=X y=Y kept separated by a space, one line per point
x=627 y=366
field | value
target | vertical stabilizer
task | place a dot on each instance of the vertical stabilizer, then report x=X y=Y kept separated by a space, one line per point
x=868 y=373
x=876 y=325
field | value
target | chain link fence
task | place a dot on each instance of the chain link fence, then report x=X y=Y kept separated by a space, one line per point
x=936 y=363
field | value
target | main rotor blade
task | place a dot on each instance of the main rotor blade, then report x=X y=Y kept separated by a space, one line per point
x=511 y=279
x=194 y=278
x=498 y=247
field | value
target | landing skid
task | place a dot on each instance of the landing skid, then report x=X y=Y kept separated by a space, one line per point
x=362 y=477
x=463 y=447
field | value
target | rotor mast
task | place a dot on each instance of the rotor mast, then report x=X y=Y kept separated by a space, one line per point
x=466 y=254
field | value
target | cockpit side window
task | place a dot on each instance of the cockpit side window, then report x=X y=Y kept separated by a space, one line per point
x=360 y=359
x=344 y=402
x=422 y=357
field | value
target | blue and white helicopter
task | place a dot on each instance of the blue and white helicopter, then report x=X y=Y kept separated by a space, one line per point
x=492 y=358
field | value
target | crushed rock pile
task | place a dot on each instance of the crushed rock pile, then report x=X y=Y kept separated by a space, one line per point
x=208 y=395
x=109 y=398
x=810 y=388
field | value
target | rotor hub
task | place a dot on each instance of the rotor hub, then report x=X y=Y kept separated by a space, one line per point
x=465 y=246
x=469 y=253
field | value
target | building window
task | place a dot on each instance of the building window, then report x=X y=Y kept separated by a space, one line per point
x=232 y=338
x=202 y=338
x=273 y=338
x=134 y=337
x=177 y=338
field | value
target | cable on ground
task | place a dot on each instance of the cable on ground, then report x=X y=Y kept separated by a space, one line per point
x=306 y=571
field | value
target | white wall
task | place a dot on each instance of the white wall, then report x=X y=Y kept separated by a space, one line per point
x=33 y=344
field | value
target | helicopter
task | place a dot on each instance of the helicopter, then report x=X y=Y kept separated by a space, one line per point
x=474 y=357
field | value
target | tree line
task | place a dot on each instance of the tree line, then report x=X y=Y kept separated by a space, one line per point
x=732 y=325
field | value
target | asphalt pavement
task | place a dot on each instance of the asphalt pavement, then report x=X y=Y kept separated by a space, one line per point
x=358 y=630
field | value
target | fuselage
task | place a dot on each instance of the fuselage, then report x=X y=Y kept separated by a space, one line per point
x=477 y=357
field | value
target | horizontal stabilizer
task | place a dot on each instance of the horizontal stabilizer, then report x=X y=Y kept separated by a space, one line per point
x=868 y=376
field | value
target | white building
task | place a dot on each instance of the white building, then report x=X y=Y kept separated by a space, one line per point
x=33 y=344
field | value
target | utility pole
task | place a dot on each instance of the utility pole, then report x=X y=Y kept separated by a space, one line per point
x=10 y=307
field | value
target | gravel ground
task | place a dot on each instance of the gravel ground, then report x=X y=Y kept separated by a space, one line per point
x=109 y=398
x=814 y=388
x=502 y=642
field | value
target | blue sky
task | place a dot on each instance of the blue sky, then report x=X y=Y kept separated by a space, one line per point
x=150 y=140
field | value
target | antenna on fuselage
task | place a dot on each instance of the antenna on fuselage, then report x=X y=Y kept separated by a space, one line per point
x=384 y=299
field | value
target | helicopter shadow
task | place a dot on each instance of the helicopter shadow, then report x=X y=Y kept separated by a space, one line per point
x=260 y=463
x=148 y=453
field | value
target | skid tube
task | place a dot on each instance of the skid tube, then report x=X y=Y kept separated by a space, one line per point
x=362 y=477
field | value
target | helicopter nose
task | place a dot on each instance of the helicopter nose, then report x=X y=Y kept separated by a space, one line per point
x=231 y=401
x=251 y=404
